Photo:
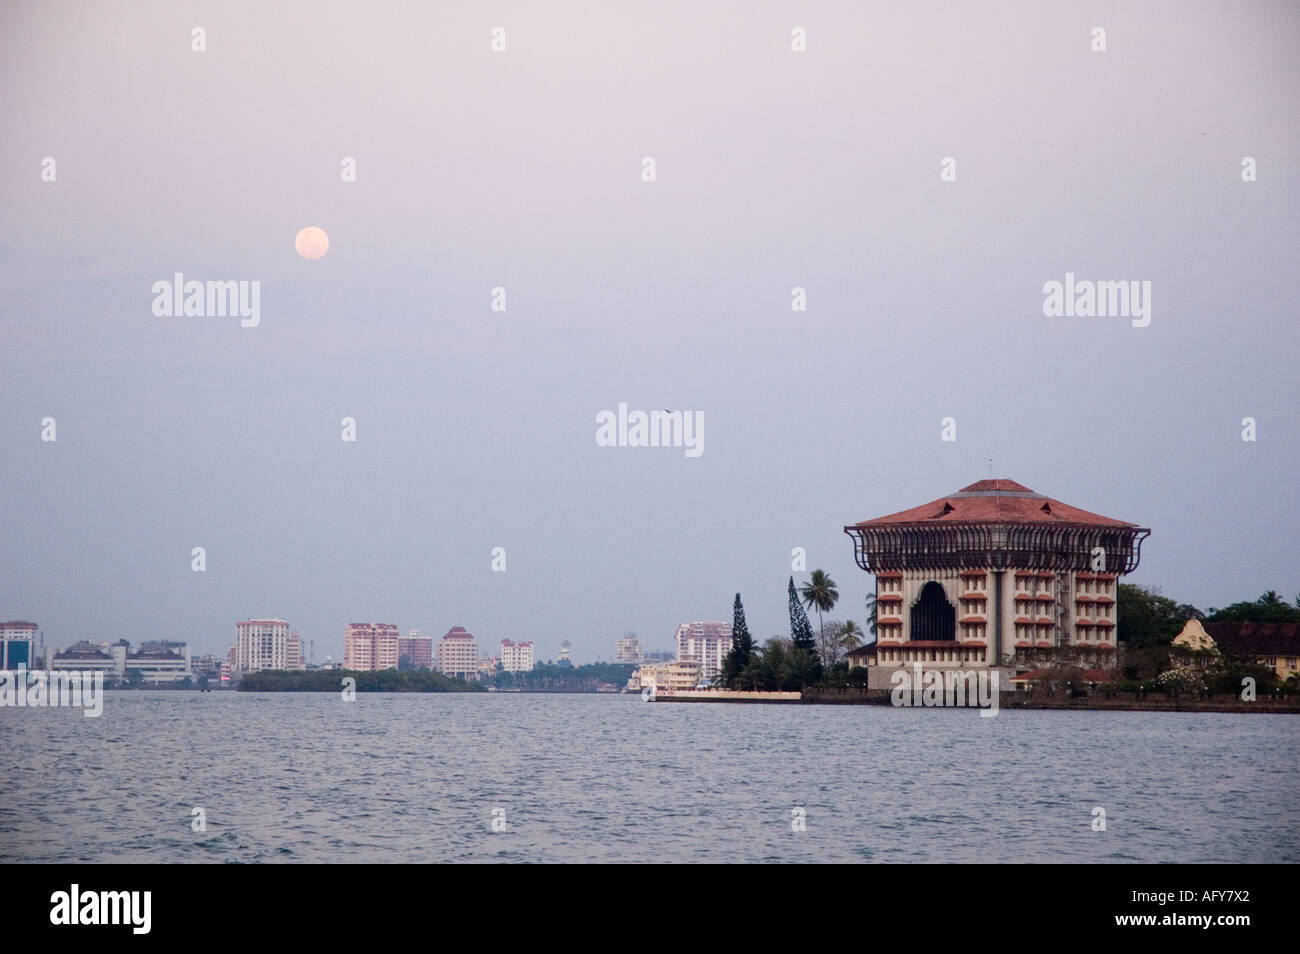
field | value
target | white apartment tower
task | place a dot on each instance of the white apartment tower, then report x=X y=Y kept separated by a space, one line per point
x=516 y=657
x=704 y=643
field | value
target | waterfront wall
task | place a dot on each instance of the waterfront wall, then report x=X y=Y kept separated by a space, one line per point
x=1123 y=701
x=726 y=695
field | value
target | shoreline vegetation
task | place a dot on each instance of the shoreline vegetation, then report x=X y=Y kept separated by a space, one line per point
x=331 y=680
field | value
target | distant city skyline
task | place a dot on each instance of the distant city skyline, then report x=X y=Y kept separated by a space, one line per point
x=866 y=262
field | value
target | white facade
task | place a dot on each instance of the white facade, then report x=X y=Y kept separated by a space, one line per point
x=516 y=657
x=261 y=644
x=86 y=656
x=157 y=661
x=629 y=649
x=704 y=643
x=160 y=661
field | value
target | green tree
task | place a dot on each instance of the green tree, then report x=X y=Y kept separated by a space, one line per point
x=801 y=634
x=742 y=649
x=871 y=613
x=821 y=594
x=1148 y=618
x=1269 y=608
x=850 y=635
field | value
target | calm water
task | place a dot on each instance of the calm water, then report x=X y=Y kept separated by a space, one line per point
x=413 y=778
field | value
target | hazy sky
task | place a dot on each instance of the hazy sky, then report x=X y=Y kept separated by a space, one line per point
x=523 y=169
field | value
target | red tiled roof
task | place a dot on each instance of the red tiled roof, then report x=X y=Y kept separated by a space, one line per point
x=995 y=501
x=890 y=598
x=1271 y=639
x=972 y=619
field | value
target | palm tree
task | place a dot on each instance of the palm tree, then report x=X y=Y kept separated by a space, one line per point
x=820 y=593
x=871 y=612
x=1270 y=599
x=850 y=635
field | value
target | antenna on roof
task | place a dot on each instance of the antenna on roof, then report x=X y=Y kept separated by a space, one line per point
x=990 y=460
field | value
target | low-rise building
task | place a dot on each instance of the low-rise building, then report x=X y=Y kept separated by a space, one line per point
x=1274 y=645
x=159 y=661
x=667 y=677
x=862 y=656
x=85 y=656
x=156 y=661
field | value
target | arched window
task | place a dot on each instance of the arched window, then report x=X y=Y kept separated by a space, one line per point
x=933 y=617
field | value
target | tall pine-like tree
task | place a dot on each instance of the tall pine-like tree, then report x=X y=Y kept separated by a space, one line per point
x=801 y=632
x=742 y=649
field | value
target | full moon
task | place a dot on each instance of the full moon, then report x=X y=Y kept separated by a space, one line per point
x=312 y=242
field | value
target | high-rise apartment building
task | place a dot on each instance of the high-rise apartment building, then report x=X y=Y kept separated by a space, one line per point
x=261 y=644
x=516 y=657
x=704 y=643
x=370 y=646
x=629 y=649
x=293 y=652
x=416 y=649
x=458 y=654
x=17 y=645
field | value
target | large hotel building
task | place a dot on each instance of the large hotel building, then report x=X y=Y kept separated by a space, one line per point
x=992 y=575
